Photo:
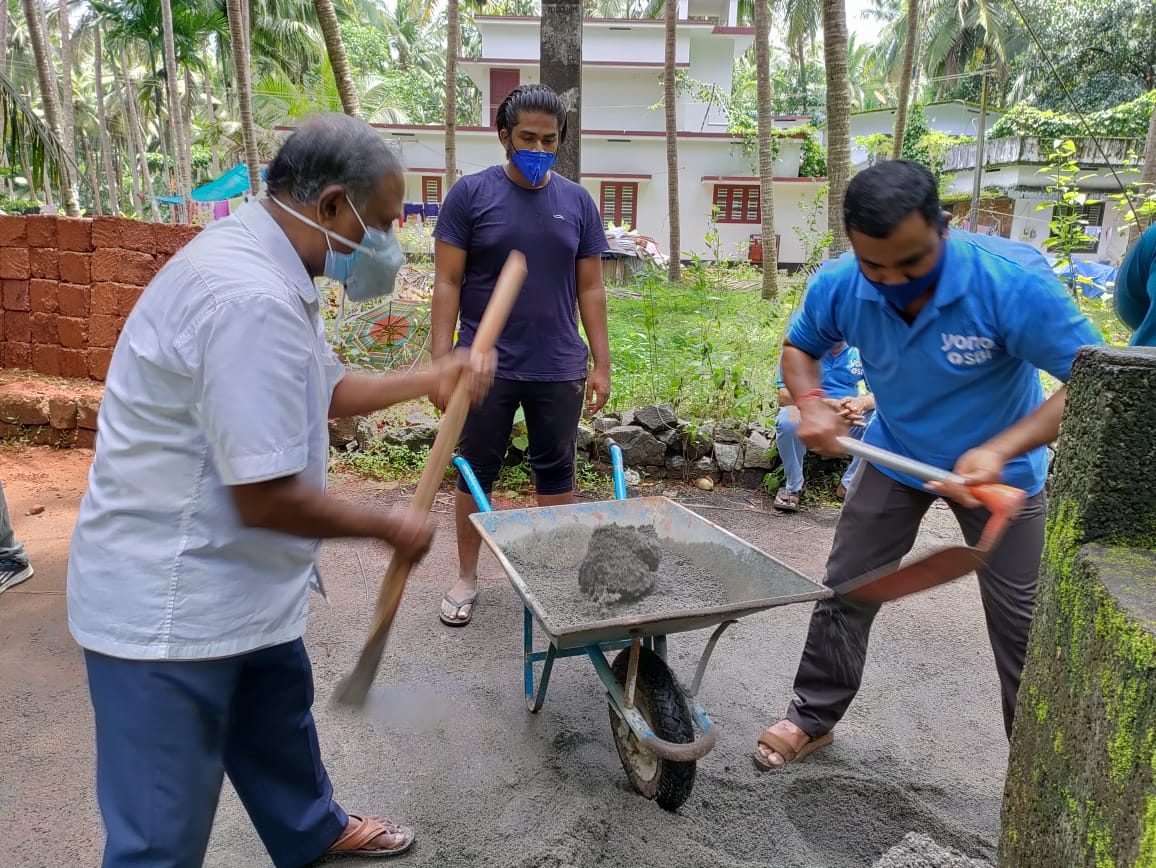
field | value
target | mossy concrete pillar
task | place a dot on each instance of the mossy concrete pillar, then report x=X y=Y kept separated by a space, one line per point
x=1081 y=785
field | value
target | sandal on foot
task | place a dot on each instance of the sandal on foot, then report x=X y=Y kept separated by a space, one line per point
x=354 y=840
x=787 y=501
x=783 y=748
x=463 y=618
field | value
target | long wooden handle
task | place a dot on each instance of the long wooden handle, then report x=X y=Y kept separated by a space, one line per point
x=355 y=688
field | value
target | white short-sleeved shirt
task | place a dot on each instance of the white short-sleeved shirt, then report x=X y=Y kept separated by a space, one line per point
x=222 y=376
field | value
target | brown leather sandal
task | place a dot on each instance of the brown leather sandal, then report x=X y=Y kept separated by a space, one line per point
x=783 y=748
x=354 y=839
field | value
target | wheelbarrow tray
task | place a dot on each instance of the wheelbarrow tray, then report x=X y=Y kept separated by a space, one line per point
x=754 y=581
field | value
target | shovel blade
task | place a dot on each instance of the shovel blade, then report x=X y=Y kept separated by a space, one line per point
x=936 y=569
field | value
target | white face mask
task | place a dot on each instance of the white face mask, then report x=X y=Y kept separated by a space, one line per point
x=370 y=270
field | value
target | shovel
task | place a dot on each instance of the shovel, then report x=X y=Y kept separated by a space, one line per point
x=354 y=689
x=883 y=585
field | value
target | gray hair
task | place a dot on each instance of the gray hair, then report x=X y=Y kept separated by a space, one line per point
x=330 y=149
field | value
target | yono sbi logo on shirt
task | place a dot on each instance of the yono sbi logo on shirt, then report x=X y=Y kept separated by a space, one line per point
x=967 y=350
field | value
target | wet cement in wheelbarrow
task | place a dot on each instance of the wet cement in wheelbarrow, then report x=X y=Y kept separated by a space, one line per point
x=621 y=564
x=690 y=576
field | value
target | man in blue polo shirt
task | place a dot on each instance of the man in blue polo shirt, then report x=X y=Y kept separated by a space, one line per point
x=1136 y=290
x=952 y=337
x=842 y=377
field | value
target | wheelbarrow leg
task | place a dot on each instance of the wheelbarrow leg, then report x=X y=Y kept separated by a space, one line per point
x=535 y=698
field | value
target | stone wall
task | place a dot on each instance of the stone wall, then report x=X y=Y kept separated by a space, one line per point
x=67 y=284
x=1081 y=784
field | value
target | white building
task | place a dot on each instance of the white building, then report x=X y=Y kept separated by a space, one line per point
x=950 y=117
x=623 y=129
x=1015 y=175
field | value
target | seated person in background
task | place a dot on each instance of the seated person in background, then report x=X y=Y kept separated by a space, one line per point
x=842 y=374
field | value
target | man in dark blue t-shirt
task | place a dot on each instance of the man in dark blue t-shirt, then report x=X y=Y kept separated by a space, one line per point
x=543 y=363
x=952 y=336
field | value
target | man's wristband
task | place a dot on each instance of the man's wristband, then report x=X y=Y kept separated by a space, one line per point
x=813 y=393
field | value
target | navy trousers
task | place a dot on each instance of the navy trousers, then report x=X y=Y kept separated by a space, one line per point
x=168 y=731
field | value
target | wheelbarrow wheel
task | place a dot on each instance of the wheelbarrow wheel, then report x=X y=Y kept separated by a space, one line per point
x=662 y=705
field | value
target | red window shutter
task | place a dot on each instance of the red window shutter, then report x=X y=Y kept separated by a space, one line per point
x=431 y=190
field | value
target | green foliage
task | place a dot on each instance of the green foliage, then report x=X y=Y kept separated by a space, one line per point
x=1126 y=121
x=708 y=349
x=814 y=159
x=382 y=460
x=917 y=128
x=1067 y=202
x=815 y=235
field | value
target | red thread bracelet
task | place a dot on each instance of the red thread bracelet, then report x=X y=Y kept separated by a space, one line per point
x=813 y=393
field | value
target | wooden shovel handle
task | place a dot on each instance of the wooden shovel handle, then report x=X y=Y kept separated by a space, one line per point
x=354 y=689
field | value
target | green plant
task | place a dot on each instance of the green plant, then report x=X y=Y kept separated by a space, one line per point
x=877 y=146
x=1067 y=203
x=815 y=235
x=382 y=460
x=1125 y=121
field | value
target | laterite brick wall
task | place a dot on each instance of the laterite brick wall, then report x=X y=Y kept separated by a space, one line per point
x=67 y=284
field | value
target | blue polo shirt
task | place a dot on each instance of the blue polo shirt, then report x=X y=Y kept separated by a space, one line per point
x=966 y=369
x=841 y=375
x=1136 y=290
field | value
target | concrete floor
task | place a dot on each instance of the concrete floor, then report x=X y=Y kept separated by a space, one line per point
x=451 y=749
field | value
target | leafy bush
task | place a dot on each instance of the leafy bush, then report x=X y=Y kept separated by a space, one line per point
x=1126 y=121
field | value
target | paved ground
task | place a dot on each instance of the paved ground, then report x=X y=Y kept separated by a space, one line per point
x=452 y=750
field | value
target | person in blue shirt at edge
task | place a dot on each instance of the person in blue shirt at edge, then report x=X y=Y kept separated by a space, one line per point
x=543 y=363
x=1135 y=298
x=842 y=376
x=952 y=336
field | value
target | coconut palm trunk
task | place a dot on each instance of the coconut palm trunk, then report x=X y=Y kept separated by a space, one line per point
x=102 y=122
x=838 y=119
x=335 y=48
x=180 y=150
x=905 y=76
x=766 y=148
x=674 y=269
x=44 y=74
x=237 y=30
x=453 y=41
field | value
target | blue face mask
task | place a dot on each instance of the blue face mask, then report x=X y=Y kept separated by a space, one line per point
x=533 y=164
x=902 y=294
x=368 y=271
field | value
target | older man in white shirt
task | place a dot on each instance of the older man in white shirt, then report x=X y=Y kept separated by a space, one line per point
x=198 y=538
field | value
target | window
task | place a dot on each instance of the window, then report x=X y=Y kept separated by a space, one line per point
x=737 y=204
x=618 y=205
x=502 y=81
x=1092 y=214
x=431 y=190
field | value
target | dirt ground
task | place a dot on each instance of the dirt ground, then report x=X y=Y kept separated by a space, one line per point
x=451 y=749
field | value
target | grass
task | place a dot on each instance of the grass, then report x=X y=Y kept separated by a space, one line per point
x=709 y=349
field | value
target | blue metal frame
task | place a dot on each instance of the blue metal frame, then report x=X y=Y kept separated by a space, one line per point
x=535 y=697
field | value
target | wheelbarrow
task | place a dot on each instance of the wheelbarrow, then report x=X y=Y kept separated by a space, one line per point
x=659 y=727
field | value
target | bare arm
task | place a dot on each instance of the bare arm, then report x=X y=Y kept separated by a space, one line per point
x=592 y=309
x=288 y=505
x=449 y=267
x=360 y=394
x=819 y=423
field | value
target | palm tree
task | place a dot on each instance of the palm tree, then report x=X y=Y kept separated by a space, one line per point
x=102 y=123
x=335 y=47
x=766 y=148
x=48 y=96
x=674 y=269
x=838 y=119
x=182 y=154
x=453 y=41
x=67 y=120
x=561 y=66
x=905 y=75
x=244 y=92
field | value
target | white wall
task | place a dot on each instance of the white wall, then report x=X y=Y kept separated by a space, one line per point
x=711 y=60
x=698 y=157
x=621 y=99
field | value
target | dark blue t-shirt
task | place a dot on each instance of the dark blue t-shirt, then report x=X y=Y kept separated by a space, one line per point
x=488 y=215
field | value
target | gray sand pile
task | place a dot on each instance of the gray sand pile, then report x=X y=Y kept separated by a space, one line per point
x=919 y=851
x=620 y=564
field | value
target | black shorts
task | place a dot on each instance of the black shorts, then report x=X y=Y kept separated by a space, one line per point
x=552 y=409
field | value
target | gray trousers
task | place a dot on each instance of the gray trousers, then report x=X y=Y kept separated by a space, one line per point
x=10 y=547
x=877 y=528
